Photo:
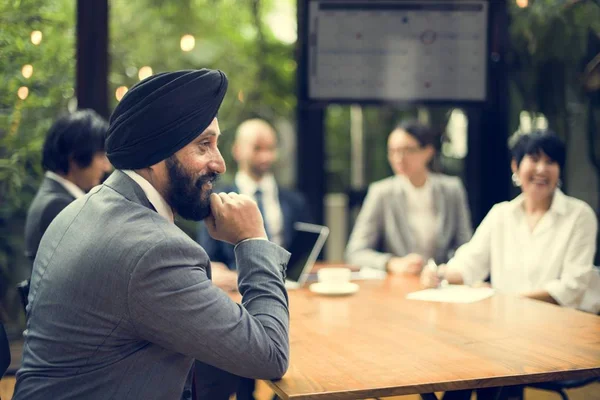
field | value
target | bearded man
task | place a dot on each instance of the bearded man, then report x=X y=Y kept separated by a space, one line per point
x=121 y=300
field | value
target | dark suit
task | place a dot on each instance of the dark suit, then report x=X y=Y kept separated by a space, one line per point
x=50 y=199
x=293 y=209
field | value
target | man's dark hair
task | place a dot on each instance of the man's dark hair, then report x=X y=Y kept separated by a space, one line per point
x=539 y=141
x=77 y=136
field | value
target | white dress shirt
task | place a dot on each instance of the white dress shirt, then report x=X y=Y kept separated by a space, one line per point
x=69 y=186
x=557 y=256
x=422 y=218
x=270 y=199
x=158 y=202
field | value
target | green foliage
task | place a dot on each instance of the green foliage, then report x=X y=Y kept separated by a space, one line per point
x=24 y=122
x=229 y=35
x=548 y=45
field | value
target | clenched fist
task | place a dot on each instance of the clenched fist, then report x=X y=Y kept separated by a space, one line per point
x=235 y=217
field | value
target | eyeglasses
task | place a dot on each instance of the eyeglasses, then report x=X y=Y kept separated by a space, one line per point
x=403 y=151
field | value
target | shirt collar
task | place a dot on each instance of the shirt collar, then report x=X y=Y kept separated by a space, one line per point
x=69 y=186
x=248 y=186
x=558 y=206
x=158 y=202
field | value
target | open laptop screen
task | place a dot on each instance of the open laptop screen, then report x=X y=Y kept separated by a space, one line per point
x=305 y=248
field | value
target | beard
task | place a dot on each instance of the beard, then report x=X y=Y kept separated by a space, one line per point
x=185 y=194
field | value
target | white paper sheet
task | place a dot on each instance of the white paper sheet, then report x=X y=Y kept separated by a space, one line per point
x=452 y=294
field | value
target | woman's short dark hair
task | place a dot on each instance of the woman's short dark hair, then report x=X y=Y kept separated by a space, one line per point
x=537 y=142
x=424 y=134
x=77 y=136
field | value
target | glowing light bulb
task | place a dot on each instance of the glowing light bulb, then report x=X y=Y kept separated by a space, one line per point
x=27 y=71
x=36 y=37
x=120 y=92
x=144 y=72
x=187 y=43
x=522 y=3
x=23 y=92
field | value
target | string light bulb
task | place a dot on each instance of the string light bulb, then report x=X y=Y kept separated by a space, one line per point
x=23 y=92
x=120 y=92
x=27 y=71
x=36 y=37
x=522 y=3
x=187 y=43
x=144 y=72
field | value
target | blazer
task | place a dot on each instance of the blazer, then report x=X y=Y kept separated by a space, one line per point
x=382 y=231
x=50 y=199
x=121 y=304
x=293 y=208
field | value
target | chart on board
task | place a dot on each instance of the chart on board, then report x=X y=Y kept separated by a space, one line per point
x=386 y=50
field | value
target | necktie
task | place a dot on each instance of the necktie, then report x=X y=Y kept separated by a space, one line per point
x=258 y=196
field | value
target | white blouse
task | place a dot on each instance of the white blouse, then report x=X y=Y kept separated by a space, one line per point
x=557 y=256
x=421 y=215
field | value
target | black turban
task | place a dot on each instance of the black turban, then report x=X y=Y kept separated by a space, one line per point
x=162 y=114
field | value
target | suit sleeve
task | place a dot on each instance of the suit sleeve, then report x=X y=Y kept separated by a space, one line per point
x=173 y=303
x=365 y=237
x=569 y=289
x=217 y=251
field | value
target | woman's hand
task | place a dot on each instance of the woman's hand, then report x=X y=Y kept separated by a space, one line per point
x=411 y=264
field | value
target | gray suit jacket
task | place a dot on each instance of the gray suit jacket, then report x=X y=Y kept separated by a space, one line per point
x=381 y=230
x=121 y=304
x=50 y=199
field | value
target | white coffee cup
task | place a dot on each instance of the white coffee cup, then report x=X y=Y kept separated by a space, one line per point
x=334 y=276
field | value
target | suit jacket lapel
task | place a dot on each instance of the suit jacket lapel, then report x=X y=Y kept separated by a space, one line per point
x=128 y=188
x=50 y=185
x=401 y=215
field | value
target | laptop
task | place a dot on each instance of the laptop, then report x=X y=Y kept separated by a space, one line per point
x=306 y=246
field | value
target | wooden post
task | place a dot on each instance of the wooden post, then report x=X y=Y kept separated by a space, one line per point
x=488 y=160
x=310 y=172
x=92 y=55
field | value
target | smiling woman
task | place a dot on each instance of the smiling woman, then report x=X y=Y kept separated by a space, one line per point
x=540 y=245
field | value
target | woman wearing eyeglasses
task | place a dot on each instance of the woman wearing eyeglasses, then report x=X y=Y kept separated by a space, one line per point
x=413 y=216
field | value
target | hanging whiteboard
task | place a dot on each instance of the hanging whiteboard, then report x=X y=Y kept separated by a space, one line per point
x=397 y=50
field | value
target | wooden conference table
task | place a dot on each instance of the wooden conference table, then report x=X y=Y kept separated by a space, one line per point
x=376 y=343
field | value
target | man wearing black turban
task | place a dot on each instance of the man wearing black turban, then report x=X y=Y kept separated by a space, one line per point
x=121 y=301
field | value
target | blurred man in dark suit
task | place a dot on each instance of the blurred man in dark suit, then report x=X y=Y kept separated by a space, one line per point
x=75 y=161
x=255 y=151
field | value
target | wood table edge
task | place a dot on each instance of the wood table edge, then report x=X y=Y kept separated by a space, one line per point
x=507 y=380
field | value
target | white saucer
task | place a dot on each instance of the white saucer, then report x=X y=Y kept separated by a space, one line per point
x=328 y=289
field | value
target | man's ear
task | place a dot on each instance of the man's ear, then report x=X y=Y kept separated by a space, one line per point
x=235 y=151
